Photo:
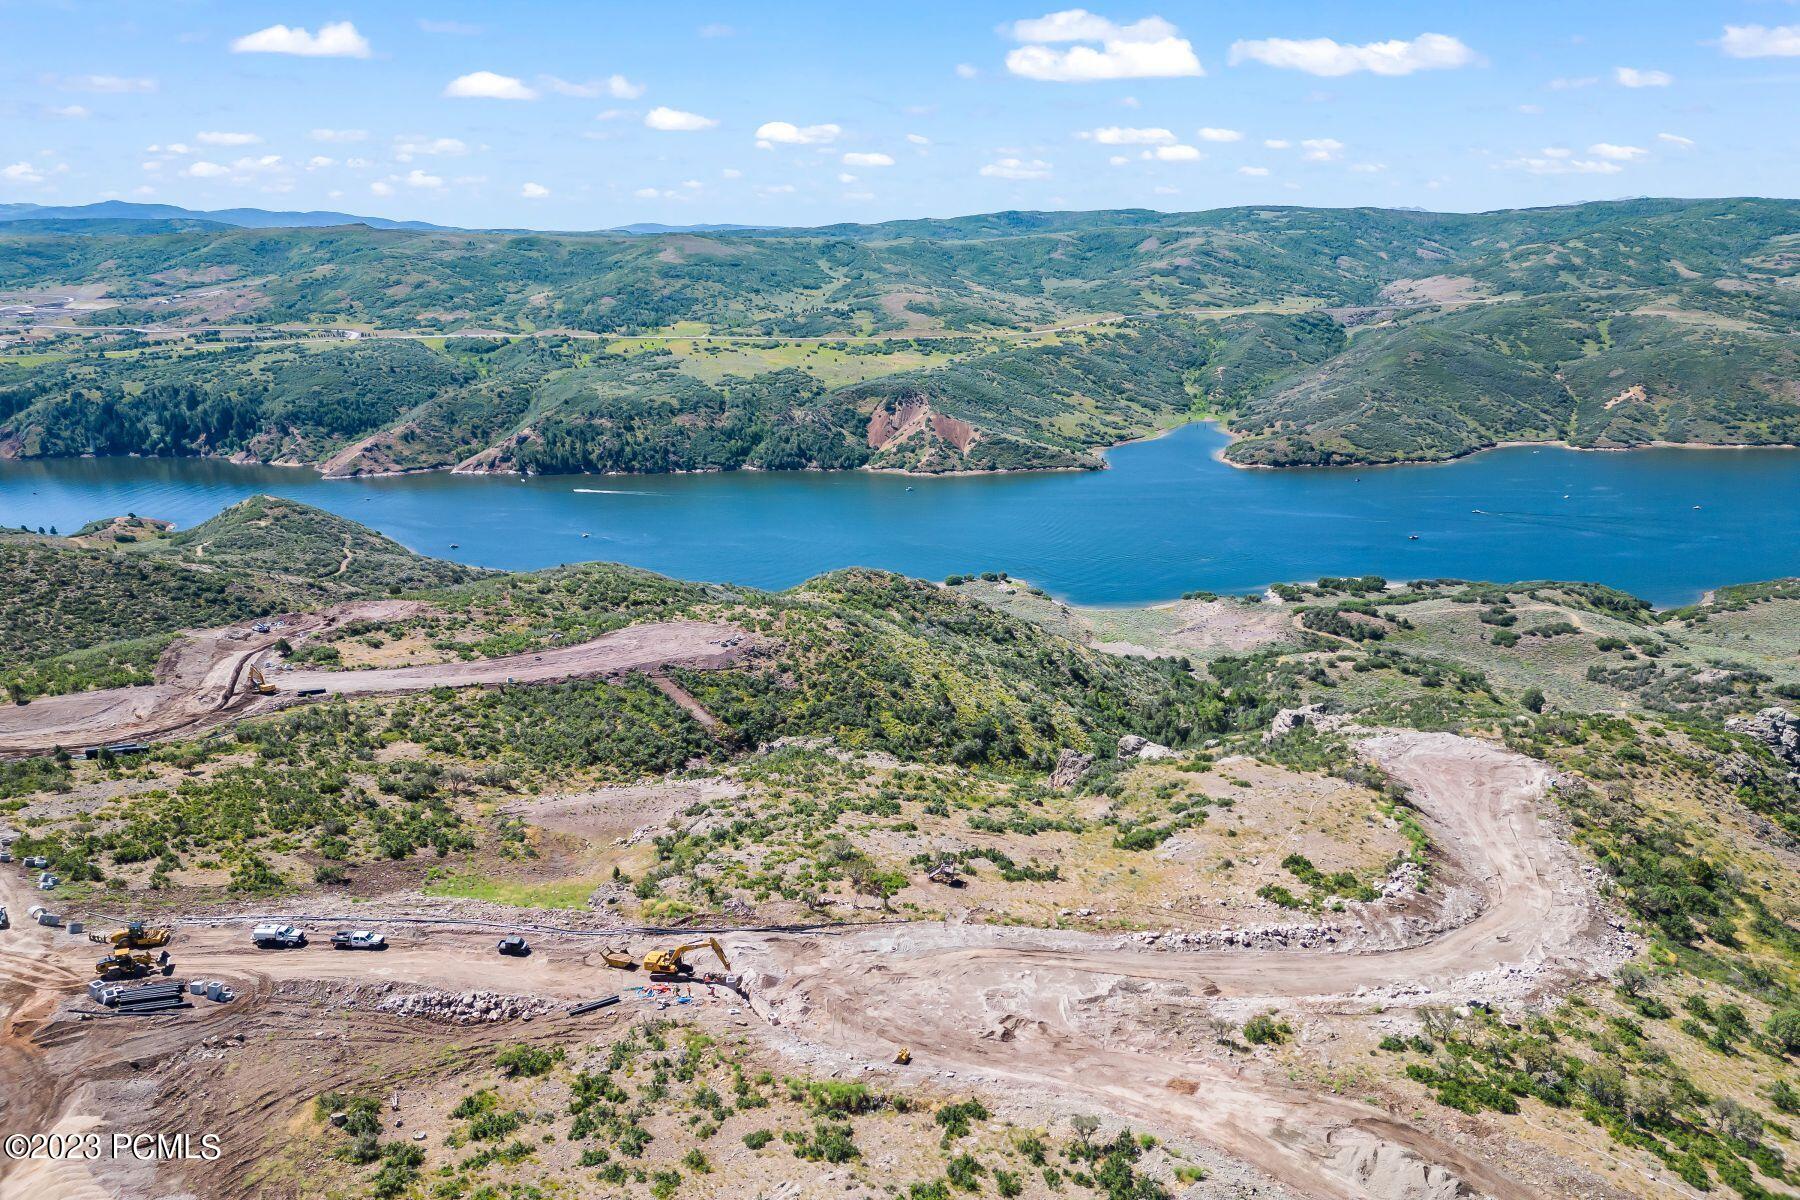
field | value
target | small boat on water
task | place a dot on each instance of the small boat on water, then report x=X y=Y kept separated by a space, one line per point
x=1412 y=537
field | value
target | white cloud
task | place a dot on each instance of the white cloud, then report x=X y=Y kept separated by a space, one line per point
x=1119 y=135
x=263 y=162
x=1675 y=139
x=1253 y=171
x=339 y=135
x=107 y=85
x=381 y=189
x=21 y=172
x=336 y=40
x=857 y=158
x=1163 y=189
x=1176 y=153
x=319 y=162
x=1277 y=143
x=646 y=193
x=1321 y=149
x=219 y=137
x=1323 y=56
x=534 y=191
x=1118 y=160
x=1760 y=41
x=486 y=85
x=1368 y=168
x=731 y=173
x=205 y=170
x=966 y=71
x=846 y=177
x=1146 y=49
x=68 y=112
x=1559 y=165
x=1209 y=133
x=1616 y=153
x=786 y=133
x=673 y=120
x=616 y=86
x=1632 y=77
x=918 y=139
x=421 y=179
x=1017 y=168
x=408 y=148
x=1573 y=84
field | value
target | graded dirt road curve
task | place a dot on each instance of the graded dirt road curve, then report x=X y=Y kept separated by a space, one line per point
x=1060 y=1015
x=200 y=680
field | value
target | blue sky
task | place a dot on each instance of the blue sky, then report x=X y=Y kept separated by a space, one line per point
x=578 y=116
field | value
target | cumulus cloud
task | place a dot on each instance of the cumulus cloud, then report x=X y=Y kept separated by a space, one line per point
x=416 y=178
x=1077 y=46
x=1017 y=168
x=1321 y=149
x=1632 y=77
x=339 y=135
x=1177 y=153
x=319 y=162
x=674 y=120
x=1277 y=143
x=1761 y=41
x=68 y=112
x=918 y=139
x=1209 y=133
x=220 y=137
x=486 y=85
x=1615 y=152
x=616 y=86
x=382 y=188
x=21 y=172
x=786 y=133
x=857 y=158
x=1253 y=171
x=534 y=191
x=1119 y=135
x=205 y=170
x=967 y=71
x=1675 y=139
x=1324 y=56
x=336 y=40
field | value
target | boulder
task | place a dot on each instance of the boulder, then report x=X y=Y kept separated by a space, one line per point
x=1776 y=728
x=1132 y=746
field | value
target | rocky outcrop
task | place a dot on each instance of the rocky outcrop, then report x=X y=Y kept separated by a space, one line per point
x=1776 y=728
x=1131 y=746
x=1071 y=767
x=1290 y=719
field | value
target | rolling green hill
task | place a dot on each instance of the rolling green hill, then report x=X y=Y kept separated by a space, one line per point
x=1007 y=340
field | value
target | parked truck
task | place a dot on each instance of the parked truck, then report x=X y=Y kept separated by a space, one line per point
x=278 y=937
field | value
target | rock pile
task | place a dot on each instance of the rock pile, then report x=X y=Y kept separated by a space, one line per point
x=463 y=1008
x=1290 y=719
x=1264 y=937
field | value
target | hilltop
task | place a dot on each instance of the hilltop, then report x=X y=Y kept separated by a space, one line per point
x=994 y=342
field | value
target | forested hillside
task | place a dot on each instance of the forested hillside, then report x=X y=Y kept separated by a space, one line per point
x=1009 y=340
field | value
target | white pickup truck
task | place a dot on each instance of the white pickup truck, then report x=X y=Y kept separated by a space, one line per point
x=278 y=937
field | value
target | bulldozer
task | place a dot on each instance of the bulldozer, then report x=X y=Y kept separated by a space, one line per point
x=258 y=682
x=135 y=936
x=124 y=964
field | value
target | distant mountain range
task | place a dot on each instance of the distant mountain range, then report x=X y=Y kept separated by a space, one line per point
x=166 y=218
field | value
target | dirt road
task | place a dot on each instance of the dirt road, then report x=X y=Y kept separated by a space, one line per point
x=200 y=680
x=1060 y=1014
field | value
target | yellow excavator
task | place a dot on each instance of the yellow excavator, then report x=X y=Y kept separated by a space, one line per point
x=258 y=682
x=124 y=964
x=135 y=936
x=668 y=961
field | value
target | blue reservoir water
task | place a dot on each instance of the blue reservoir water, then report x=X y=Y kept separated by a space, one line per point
x=1167 y=518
